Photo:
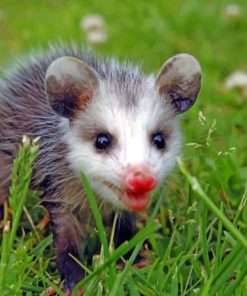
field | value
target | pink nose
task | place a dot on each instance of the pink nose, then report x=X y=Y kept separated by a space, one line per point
x=139 y=181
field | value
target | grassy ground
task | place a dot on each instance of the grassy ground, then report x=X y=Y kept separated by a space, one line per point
x=199 y=249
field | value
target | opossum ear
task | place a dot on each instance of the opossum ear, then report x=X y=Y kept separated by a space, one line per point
x=180 y=80
x=70 y=84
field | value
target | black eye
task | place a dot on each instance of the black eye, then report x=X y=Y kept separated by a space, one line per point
x=159 y=140
x=103 y=141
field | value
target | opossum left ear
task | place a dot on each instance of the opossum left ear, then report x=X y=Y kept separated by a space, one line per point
x=180 y=80
x=70 y=84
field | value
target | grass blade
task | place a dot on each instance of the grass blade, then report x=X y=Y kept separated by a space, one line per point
x=21 y=179
x=97 y=216
x=4 y=254
x=221 y=280
x=120 y=278
x=202 y=195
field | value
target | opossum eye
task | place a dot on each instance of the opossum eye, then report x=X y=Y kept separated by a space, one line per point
x=103 y=141
x=159 y=140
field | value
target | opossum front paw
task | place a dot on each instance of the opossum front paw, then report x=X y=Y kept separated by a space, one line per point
x=71 y=276
x=52 y=292
x=71 y=272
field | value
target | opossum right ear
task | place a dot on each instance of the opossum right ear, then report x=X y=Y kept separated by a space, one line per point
x=70 y=84
x=180 y=81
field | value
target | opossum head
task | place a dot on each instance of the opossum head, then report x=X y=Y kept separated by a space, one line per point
x=122 y=130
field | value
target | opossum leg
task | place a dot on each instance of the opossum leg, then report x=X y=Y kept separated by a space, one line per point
x=125 y=230
x=67 y=235
x=71 y=273
x=6 y=160
x=126 y=227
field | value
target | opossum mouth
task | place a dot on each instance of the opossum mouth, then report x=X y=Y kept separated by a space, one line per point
x=134 y=201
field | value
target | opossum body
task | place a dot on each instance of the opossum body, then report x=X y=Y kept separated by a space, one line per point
x=110 y=121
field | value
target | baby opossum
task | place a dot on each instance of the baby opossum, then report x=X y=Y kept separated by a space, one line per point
x=109 y=120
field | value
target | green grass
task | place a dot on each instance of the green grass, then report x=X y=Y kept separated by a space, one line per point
x=198 y=226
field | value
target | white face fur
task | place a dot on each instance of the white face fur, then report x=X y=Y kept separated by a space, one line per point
x=140 y=138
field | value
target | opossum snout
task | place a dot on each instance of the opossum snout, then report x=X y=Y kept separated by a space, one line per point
x=140 y=180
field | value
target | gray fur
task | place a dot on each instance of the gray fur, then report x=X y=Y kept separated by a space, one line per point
x=24 y=109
